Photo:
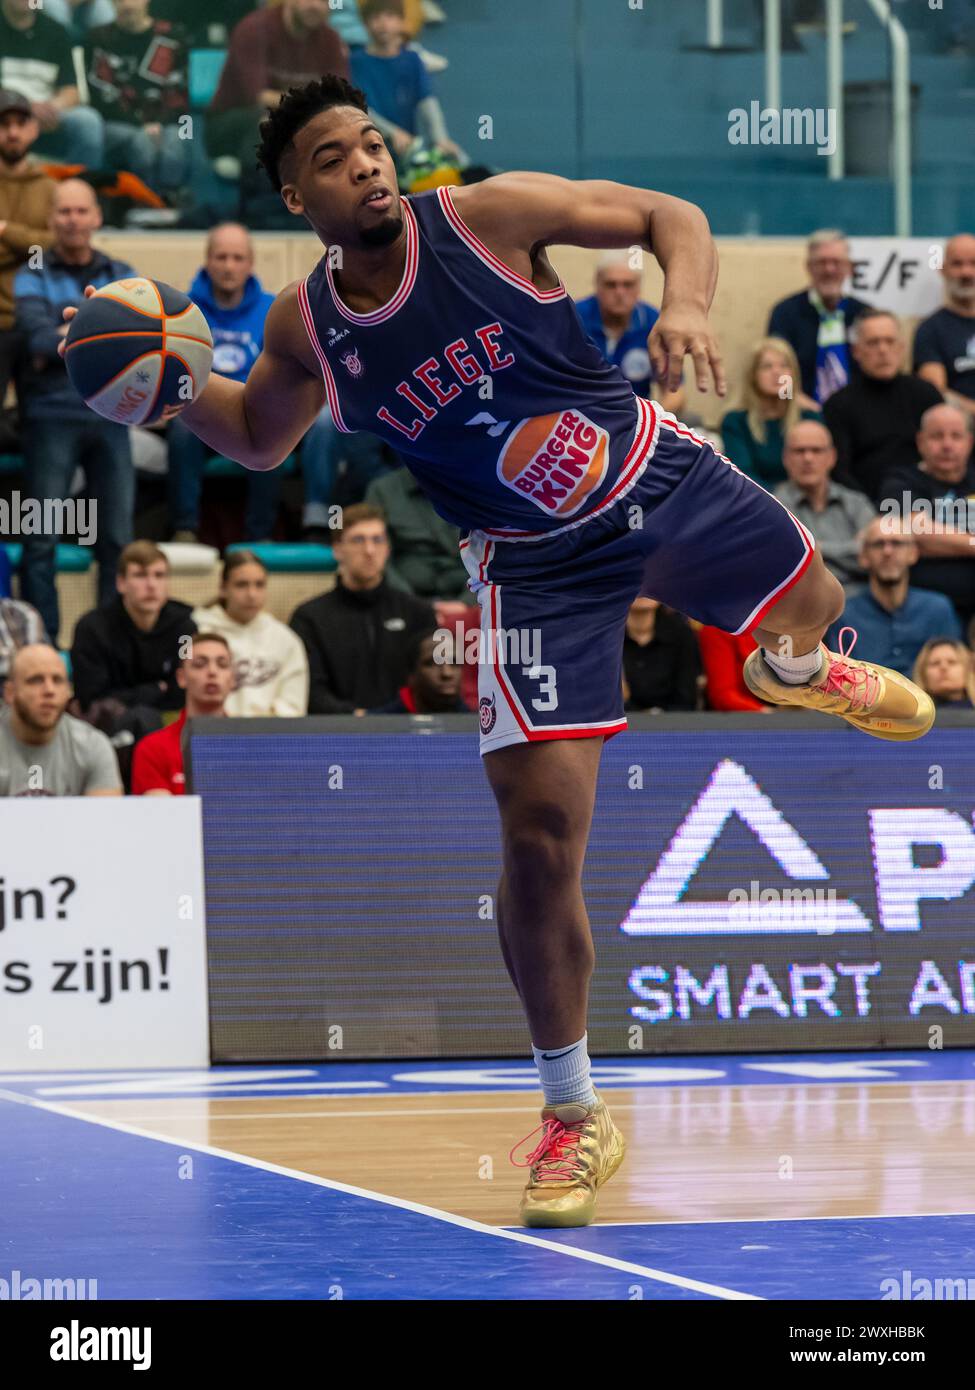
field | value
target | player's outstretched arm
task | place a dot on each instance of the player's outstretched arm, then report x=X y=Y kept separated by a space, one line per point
x=260 y=422
x=519 y=213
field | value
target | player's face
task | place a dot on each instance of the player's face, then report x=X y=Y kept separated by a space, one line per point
x=829 y=266
x=959 y=269
x=244 y=593
x=17 y=133
x=207 y=675
x=809 y=455
x=342 y=179
x=39 y=690
x=945 y=673
x=945 y=444
x=363 y=553
x=436 y=682
x=879 y=348
x=617 y=291
x=144 y=588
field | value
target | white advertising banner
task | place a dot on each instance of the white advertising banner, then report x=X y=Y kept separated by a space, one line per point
x=902 y=274
x=102 y=933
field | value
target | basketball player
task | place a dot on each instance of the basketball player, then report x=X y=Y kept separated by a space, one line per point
x=438 y=323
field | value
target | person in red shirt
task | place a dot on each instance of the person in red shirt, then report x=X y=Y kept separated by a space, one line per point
x=722 y=655
x=207 y=676
x=270 y=51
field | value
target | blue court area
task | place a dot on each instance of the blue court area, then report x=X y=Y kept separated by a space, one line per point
x=145 y=1216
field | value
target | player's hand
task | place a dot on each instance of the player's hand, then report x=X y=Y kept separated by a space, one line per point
x=68 y=315
x=685 y=332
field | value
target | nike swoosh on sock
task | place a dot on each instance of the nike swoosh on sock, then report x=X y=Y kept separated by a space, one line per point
x=551 y=1056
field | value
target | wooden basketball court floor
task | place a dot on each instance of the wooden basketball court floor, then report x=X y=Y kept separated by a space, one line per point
x=816 y=1176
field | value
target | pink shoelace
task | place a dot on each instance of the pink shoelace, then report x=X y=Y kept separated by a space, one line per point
x=850 y=682
x=557 y=1150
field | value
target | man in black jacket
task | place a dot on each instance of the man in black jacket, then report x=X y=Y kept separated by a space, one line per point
x=817 y=320
x=359 y=636
x=875 y=420
x=130 y=649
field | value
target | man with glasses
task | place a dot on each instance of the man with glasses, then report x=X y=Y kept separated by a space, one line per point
x=892 y=620
x=835 y=514
x=817 y=320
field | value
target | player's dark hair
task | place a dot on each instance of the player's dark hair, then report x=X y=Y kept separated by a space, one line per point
x=295 y=109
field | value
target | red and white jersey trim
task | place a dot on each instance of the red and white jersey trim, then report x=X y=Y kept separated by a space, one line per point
x=331 y=390
x=387 y=310
x=637 y=457
x=483 y=253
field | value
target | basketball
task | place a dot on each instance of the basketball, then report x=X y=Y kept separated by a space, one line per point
x=135 y=347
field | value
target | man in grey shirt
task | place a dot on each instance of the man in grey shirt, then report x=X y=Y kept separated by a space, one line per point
x=43 y=751
x=834 y=514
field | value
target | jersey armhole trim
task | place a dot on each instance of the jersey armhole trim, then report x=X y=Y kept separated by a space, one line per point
x=331 y=390
x=493 y=262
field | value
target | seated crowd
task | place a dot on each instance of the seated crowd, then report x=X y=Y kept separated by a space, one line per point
x=875 y=460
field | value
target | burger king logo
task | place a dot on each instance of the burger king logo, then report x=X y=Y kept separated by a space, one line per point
x=555 y=460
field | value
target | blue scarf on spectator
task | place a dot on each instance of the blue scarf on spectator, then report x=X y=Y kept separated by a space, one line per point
x=832 y=348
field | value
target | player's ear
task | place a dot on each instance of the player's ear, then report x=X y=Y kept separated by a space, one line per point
x=292 y=199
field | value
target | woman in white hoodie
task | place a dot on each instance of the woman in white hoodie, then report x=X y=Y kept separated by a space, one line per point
x=270 y=663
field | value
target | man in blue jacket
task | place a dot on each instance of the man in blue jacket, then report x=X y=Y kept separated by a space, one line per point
x=59 y=431
x=235 y=306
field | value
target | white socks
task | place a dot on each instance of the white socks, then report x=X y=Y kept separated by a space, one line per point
x=795 y=670
x=564 y=1073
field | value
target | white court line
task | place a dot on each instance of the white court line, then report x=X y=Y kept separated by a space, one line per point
x=768 y=1220
x=452 y=1111
x=498 y=1232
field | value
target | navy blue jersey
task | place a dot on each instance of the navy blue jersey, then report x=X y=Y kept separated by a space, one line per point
x=505 y=411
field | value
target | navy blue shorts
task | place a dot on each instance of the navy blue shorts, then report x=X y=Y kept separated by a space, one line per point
x=684 y=526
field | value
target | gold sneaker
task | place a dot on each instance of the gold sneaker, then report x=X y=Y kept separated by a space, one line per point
x=870 y=697
x=579 y=1150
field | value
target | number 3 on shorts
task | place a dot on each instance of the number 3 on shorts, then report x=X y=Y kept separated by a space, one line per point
x=548 y=697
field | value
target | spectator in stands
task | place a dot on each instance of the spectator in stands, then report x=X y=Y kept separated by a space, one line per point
x=722 y=657
x=946 y=670
x=270 y=663
x=619 y=322
x=78 y=16
x=874 y=421
x=26 y=195
x=206 y=676
x=817 y=320
x=660 y=659
x=944 y=344
x=939 y=495
x=752 y=437
x=892 y=620
x=425 y=548
x=138 y=70
x=323 y=451
x=433 y=683
x=836 y=515
x=20 y=626
x=270 y=51
x=35 y=59
x=59 y=430
x=358 y=635
x=130 y=649
x=235 y=305
x=43 y=750
x=397 y=85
